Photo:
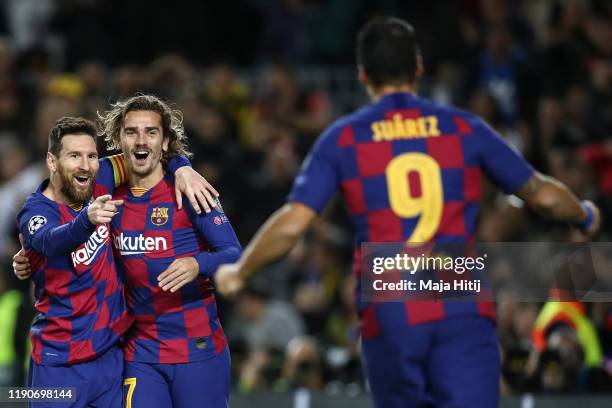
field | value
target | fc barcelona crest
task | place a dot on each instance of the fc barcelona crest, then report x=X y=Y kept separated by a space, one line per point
x=159 y=216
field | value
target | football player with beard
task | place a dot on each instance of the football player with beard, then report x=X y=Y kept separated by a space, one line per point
x=79 y=297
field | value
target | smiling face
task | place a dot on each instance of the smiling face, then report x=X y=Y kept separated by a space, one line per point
x=142 y=142
x=75 y=168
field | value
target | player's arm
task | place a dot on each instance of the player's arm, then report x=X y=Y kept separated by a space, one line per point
x=224 y=246
x=200 y=193
x=551 y=199
x=545 y=195
x=273 y=241
x=312 y=189
x=42 y=231
x=276 y=237
x=111 y=174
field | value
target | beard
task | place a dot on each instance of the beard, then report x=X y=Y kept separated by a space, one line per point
x=73 y=192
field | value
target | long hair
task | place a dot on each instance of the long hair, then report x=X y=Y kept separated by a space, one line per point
x=111 y=123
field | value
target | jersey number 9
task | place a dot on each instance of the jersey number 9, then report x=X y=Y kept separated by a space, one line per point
x=405 y=204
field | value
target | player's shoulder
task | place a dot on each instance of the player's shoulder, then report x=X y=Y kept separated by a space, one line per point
x=461 y=117
x=340 y=132
x=37 y=211
x=465 y=121
x=38 y=202
x=162 y=192
x=334 y=130
x=120 y=193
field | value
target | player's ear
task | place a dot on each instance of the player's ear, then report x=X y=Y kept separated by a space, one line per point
x=165 y=143
x=420 y=67
x=362 y=76
x=51 y=162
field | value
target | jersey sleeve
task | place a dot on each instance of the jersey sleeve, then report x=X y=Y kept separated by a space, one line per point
x=112 y=173
x=317 y=180
x=216 y=229
x=176 y=162
x=506 y=167
x=42 y=231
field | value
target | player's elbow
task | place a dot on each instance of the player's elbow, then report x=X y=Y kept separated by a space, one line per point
x=543 y=194
x=555 y=201
x=233 y=253
x=545 y=201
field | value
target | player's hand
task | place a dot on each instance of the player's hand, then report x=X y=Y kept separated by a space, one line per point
x=594 y=227
x=21 y=265
x=102 y=210
x=228 y=280
x=179 y=273
x=199 y=192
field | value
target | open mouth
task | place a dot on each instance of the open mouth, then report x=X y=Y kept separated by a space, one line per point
x=141 y=155
x=82 y=180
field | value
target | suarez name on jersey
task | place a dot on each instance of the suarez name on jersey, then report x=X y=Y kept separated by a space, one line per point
x=410 y=171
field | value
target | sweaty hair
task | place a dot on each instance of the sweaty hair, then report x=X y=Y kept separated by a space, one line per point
x=171 y=120
x=68 y=125
x=387 y=51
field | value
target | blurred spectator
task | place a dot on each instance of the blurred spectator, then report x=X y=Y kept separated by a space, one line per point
x=266 y=327
x=564 y=328
x=303 y=365
x=539 y=72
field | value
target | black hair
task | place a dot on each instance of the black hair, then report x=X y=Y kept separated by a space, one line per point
x=387 y=51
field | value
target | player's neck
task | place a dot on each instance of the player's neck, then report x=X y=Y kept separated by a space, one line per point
x=146 y=182
x=377 y=93
x=54 y=191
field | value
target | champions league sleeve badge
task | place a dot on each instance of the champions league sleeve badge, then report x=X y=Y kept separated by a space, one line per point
x=35 y=223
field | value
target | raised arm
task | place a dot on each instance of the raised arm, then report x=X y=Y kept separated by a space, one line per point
x=200 y=193
x=42 y=231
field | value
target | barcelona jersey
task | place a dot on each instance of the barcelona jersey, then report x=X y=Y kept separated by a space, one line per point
x=79 y=298
x=148 y=234
x=409 y=170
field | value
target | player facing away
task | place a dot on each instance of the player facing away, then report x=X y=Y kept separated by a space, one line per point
x=176 y=353
x=80 y=300
x=415 y=354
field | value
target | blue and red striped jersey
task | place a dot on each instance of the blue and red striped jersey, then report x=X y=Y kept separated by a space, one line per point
x=79 y=298
x=409 y=170
x=149 y=233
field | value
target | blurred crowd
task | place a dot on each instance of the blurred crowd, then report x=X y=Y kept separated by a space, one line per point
x=244 y=76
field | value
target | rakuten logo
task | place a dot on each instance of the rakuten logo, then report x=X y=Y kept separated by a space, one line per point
x=139 y=244
x=86 y=254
